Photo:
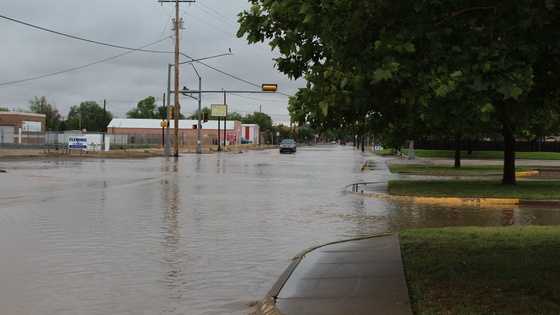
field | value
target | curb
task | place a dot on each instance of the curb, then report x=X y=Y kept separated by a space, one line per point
x=463 y=201
x=528 y=173
x=267 y=306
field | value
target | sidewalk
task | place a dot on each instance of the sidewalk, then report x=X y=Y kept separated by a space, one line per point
x=350 y=278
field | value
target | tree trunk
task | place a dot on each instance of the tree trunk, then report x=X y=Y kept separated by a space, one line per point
x=457 y=151
x=363 y=143
x=509 y=157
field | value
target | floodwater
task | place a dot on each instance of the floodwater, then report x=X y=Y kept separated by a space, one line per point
x=202 y=235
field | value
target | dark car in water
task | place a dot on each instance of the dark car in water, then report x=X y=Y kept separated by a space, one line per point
x=288 y=146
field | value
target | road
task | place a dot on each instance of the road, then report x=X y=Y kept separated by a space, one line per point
x=202 y=235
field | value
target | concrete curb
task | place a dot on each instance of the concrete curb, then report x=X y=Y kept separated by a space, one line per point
x=268 y=305
x=462 y=201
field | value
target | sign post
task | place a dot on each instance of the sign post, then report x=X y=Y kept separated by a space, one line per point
x=219 y=110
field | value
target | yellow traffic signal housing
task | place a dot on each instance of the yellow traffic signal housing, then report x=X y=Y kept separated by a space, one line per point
x=269 y=87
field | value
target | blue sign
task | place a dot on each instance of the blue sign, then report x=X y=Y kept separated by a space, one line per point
x=77 y=143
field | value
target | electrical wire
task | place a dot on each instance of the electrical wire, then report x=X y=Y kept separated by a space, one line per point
x=117 y=56
x=257 y=99
x=82 y=38
x=2 y=84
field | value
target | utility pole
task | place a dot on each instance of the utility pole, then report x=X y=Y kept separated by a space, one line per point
x=177 y=111
x=225 y=119
x=167 y=146
x=104 y=121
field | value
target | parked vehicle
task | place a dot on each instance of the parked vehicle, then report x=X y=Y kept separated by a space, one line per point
x=288 y=146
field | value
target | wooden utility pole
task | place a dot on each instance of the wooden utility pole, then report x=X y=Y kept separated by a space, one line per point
x=177 y=110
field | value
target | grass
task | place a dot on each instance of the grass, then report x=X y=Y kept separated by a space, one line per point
x=497 y=270
x=444 y=170
x=529 y=190
x=484 y=155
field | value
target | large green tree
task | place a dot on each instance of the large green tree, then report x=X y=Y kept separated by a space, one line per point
x=364 y=59
x=40 y=105
x=263 y=120
x=147 y=109
x=89 y=116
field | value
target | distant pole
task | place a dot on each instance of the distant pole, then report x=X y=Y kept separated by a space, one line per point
x=219 y=141
x=177 y=111
x=104 y=120
x=225 y=119
x=162 y=124
x=260 y=108
x=199 y=129
x=167 y=148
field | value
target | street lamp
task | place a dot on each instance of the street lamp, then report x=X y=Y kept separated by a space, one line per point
x=167 y=147
x=199 y=127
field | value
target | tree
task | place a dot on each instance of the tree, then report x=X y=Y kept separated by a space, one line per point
x=235 y=116
x=89 y=116
x=40 y=105
x=4 y=109
x=263 y=120
x=147 y=109
x=206 y=112
x=364 y=58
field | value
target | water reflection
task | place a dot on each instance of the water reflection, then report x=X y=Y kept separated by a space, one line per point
x=172 y=259
x=195 y=235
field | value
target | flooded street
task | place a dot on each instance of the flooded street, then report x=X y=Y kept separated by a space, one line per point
x=202 y=235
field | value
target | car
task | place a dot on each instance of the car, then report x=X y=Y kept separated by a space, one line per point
x=288 y=146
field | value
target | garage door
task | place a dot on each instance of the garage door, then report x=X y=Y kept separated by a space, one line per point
x=6 y=134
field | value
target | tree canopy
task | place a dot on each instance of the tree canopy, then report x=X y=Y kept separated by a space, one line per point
x=89 y=116
x=414 y=67
x=147 y=109
x=53 y=119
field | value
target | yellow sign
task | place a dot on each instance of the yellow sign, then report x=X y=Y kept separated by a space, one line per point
x=163 y=124
x=219 y=110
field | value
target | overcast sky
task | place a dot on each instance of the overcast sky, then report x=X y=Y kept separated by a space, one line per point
x=210 y=27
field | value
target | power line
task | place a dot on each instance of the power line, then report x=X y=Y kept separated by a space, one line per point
x=79 y=67
x=213 y=10
x=122 y=47
x=257 y=99
x=82 y=38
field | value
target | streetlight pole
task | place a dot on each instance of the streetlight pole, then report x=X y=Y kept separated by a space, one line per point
x=225 y=120
x=167 y=148
x=199 y=127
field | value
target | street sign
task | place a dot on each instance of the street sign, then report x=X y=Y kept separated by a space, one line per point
x=78 y=143
x=219 y=110
x=163 y=124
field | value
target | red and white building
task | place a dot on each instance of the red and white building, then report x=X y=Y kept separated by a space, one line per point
x=149 y=131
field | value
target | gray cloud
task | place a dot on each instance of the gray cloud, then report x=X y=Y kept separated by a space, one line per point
x=210 y=26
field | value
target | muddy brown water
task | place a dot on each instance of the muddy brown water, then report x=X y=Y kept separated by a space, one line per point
x=202 y=235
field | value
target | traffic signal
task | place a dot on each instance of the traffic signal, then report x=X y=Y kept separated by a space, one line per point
x=269 y=87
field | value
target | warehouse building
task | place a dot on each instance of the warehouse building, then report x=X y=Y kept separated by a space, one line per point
x=149 y=131
x=22 y=128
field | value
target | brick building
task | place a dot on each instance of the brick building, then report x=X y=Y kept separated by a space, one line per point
x=149 y=131
x=22 y=128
